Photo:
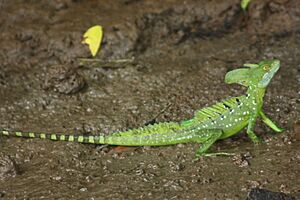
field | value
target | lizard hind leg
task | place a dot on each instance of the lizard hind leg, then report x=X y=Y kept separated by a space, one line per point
x=269 y=122
x=214 y=135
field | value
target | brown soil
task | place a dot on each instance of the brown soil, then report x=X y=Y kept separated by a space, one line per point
x=182 y=52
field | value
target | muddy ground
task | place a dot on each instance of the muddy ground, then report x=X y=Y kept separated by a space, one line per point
x=181 y=53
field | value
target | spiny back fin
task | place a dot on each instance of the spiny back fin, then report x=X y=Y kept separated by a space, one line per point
x=216 y=110
x=202 y=115
x=161 y=128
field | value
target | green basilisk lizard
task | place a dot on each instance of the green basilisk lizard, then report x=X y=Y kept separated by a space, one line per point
x=210 y=124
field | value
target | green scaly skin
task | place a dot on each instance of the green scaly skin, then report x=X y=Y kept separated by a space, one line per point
x=210 y=124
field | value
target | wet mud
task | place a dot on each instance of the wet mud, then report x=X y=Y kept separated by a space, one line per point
x=179 y=53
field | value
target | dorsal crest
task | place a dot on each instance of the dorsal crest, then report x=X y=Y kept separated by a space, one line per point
x=217 y=109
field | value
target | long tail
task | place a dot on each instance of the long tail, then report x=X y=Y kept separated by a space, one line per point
x=58 y=137
x=151 y=135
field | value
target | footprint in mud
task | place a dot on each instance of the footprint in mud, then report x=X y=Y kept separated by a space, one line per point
x=64 y=79
x=8 y=167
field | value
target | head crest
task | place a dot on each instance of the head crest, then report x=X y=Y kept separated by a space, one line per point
x=256 y=74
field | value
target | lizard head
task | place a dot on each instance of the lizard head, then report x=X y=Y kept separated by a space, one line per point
x=258 y=75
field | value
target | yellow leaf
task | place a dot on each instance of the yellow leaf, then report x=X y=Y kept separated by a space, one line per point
x=93 y=37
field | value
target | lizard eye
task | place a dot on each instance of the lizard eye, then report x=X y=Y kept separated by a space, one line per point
x=266 y=67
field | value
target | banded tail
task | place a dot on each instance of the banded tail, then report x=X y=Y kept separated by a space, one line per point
x=151 y=135
x=58 y=137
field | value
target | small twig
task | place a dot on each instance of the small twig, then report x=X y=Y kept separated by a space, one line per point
x=104 y=63
x=152 y=121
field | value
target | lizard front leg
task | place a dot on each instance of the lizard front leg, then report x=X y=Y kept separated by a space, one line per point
x=250 y=128
x=269 y=122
